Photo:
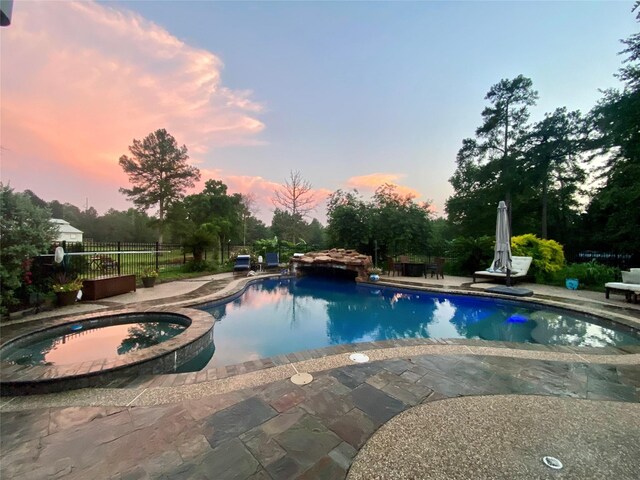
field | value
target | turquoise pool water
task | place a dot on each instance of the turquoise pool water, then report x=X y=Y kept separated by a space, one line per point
x=284 y=315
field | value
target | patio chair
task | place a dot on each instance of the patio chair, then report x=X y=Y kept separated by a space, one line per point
x=393 y=267
x=273 y=260
x=519 y=270
x=436 y=268
x=103 y=263
x=243 y=264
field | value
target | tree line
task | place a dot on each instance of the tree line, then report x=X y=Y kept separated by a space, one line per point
x=572 y=177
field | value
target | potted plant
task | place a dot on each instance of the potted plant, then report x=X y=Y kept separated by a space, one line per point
x=149 y=276
x=374 y=274
x=66 y=289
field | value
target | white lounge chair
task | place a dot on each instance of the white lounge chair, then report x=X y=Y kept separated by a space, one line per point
x=630 y=285
x=519 y=270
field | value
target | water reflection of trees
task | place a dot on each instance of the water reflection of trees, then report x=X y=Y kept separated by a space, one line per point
x=557 y=329
x=377 y=314
x=360 y=313
x=36 y=353
x=269 y=291
x=30 y=354
x=148 y=334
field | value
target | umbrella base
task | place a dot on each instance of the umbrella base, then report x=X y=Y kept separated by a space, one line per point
x=514 y=291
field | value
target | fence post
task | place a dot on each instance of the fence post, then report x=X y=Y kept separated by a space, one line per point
x=119 y=259
x=157 y=256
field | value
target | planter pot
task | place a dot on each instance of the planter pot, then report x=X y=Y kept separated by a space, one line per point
x=148 y=282
x=571 y=283
x=66 y=298
x=374 y=277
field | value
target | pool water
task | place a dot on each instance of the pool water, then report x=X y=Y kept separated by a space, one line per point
x=79 y=343
x=284 y=315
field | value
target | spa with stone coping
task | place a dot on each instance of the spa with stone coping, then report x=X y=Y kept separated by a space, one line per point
x=164 y=357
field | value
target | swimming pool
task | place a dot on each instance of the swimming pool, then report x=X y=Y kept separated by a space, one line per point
x=284 y=315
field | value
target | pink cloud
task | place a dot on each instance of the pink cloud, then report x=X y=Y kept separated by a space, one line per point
x=369 y=183
x=80 y=80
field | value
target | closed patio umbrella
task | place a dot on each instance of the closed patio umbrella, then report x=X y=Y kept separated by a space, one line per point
x=502 y=256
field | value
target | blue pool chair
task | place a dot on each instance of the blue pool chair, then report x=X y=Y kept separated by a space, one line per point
x=243 y=264
x=273 y=260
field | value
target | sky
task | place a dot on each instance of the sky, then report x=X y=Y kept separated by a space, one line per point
x=350 y=94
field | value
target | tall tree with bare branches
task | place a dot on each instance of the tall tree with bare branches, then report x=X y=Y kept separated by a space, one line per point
x=294 y=198
x=295 y=195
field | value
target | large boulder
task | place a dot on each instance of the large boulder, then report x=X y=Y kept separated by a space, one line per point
x=336 y=258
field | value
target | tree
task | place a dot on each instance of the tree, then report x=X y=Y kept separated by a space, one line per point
x=159 y=173
x=210 y=218
x=613 y=216
x=295 y=198
x=553 y=154
x=35 y=199
x=26 y=232
x=248 y=208
x=394 y=222
x=348 y=220
x=255 y=230
x=399 y=225
x=471 y=210
x=490 y=167
x=505 y=124
x=287 y=226
x=314 y=235
x=115 y=225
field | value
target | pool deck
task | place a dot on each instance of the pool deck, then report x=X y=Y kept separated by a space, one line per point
x=419 y=409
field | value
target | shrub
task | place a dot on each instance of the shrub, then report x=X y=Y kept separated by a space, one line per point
x=198 y=266
x=590 y=275
x=469 y=254
x=548 y=255
x=26 y=232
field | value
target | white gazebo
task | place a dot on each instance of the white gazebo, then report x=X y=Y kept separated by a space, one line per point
x=66 y=232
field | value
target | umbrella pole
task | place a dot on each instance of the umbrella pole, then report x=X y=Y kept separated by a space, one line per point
x=509 y=239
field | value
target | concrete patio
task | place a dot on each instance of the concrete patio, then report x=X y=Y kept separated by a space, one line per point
x=418 y=409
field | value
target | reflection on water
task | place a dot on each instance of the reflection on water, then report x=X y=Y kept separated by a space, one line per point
x=68 y=347
x=278 y=316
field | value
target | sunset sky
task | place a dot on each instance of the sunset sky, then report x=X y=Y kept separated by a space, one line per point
x=350 y=94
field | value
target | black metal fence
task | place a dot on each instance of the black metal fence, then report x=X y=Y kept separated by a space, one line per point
x=621 y=260
x=103 y=259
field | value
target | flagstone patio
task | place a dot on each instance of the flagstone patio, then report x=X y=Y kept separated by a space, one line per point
x=431 y=399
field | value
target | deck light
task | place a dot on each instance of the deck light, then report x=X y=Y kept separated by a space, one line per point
x=552 y=462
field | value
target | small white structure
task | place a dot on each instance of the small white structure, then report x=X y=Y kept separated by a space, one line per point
x=66 y=232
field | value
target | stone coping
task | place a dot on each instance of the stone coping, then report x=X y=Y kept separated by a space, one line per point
x=165 y=389
x=37 y=378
